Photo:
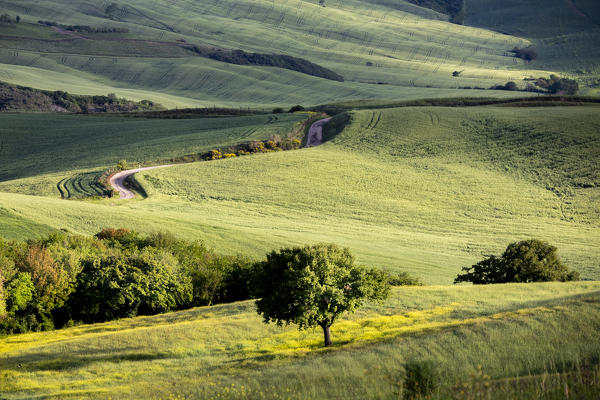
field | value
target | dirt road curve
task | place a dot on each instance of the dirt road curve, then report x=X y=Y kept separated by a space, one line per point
x=315 y=133
x=117 y=181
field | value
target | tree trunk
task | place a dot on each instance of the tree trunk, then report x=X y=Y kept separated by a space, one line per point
x=327 y=334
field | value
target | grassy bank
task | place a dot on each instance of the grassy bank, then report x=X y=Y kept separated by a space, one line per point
x=227 y=352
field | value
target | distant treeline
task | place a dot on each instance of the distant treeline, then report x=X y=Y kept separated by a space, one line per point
x=205 y=112
x=84 y=28
x=7 y=19
x=539 y=101
x=65 y=279
x=552 y=85
x=22 y=98
x=241 y=57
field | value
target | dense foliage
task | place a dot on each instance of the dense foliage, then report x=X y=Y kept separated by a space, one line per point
x=22 y=98
x=525 y=261
x=241 y=57
x=314 y=285
x=64 y=278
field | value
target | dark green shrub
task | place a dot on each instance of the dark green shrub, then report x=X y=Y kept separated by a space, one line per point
x=277 y=110
x=527 y=53
x=237 y=282
x=120 y=238
x=525 y=261
x=420 y=381
x=564 y=86
x=116 y=286
x=296 y=108
x=403 y=279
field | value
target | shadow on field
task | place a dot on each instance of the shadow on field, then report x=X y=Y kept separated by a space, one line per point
x=77 y=359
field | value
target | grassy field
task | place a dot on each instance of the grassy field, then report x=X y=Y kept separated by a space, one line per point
x=383 y=51
x=47 y=148
x=505 y=331
x=565 y=33
x=425 y=190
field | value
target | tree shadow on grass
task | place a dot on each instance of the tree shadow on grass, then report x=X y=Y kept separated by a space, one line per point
x=68 y=360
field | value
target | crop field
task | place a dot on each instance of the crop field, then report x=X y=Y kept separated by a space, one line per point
x=424 y=190
x=564 y=32
x=41 y=151
x=382 y=51
x=225 y=351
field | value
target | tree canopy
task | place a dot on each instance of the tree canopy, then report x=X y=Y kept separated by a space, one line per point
x=526 y=261
x=313 y=285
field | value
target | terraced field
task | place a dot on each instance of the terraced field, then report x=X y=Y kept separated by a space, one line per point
x=226 y=351
x=426 y=190
x=382 y=51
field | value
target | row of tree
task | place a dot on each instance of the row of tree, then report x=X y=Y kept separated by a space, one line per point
x=64 y=278
x=7 y=19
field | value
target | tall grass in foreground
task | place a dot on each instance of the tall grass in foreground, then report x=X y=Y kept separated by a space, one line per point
x=523 y=336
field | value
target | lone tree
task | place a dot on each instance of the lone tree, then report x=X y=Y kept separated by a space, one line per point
x=314 y=285
x=526 y=261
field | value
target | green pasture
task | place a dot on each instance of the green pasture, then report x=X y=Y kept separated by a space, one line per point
x=423 y=190
x=383 y=51
x=38 y=144
x=565 y=32
x=225 y=351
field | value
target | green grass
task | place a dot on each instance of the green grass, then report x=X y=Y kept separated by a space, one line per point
x=565 y=32
x=37 y=144
x=382 y=50
x=227 y=352
x=425 y=190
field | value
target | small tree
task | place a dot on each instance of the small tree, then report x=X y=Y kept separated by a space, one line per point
x=313 y=285
x=526 y=261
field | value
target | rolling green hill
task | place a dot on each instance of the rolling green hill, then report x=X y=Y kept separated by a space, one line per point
x=385 y=50
x=532 y=331
x=564 y=32
x=426 y=190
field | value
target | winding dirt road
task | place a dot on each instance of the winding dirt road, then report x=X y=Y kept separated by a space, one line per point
x=315 y=133
x=117 y=181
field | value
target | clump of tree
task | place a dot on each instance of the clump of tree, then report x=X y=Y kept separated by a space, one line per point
x=9 y=20
x=527 y=53
x=62 y=279
x=526 y=261
x=84 y=28
x=313 y=286
x=22 y=98
x=558 y=85
x=241 y=57
x=508 y=86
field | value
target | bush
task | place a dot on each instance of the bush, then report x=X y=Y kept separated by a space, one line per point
x=527 y=53
x=120 y=238
x=116 y=286
x=525 y=261
x=296 y=108
x=277 y=110
x=421 y=380
x=564 y=86
x=64 y=279
x=403 y=279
